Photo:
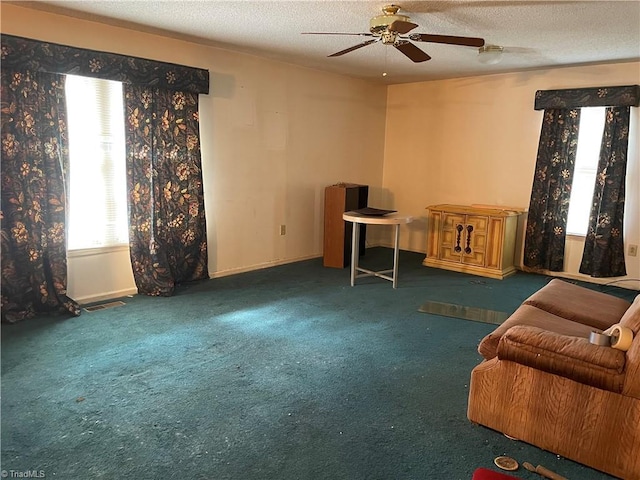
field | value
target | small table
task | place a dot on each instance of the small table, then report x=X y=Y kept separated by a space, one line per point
x=358 y=219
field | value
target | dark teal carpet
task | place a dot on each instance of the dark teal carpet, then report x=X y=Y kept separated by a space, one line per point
x=282 y=373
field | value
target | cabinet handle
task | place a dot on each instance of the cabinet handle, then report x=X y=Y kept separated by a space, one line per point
x=467 y=250
x=457 y=248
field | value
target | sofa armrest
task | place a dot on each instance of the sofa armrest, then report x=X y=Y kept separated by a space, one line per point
x=567 y=356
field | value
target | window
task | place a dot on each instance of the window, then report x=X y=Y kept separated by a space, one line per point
x=584 y=177
x=97 y=170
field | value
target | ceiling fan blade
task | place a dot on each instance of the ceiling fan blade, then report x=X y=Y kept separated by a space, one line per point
x=448 y=39
x=337 y=33
x=355 y=47
x=401 y=27
x=411 y=51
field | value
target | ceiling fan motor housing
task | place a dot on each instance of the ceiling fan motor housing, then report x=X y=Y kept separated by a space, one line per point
x=381 y=22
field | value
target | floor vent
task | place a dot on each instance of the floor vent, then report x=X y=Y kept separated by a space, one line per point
x=104 y=306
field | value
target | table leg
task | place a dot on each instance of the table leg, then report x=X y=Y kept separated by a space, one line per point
x=395 y=256
x=355 y=251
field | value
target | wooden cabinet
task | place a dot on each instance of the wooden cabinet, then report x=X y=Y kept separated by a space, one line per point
x=470 y=239
x=340 y=198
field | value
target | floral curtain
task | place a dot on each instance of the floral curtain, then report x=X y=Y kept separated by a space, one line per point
x=167 y=229
x=603 y=254
x=551 y=192
x=20 y=53
x=34 y=162
x=620 y=96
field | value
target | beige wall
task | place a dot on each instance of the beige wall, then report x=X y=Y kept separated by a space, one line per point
x=273 y=137
x=474 y=140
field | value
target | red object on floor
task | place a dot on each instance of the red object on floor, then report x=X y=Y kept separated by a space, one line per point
x=486 y=474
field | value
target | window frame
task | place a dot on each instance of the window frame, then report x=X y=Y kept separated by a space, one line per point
x=111 y=160
x=589 y=137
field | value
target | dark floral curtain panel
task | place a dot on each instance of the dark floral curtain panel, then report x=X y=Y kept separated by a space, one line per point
x=549 y=206
x=603 y=255
x=167 y=229
x=34 y=164
x=604 y=246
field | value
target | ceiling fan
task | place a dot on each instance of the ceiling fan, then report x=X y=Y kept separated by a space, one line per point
x=391 y=28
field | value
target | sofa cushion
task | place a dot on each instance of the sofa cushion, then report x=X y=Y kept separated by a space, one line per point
x=568 y=356
x=534 y=317
x=579 y=304
x=631 y=318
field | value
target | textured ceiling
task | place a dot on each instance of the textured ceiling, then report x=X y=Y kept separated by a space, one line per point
x=534 y=34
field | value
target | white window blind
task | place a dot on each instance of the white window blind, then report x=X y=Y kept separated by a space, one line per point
x=584 y=177
x=97 y=176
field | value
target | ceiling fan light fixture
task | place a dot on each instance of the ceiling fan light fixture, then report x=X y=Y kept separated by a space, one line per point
x=490 y=54
x=389 y=38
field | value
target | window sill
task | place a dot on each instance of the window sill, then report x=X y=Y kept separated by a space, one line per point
x=577 y=235
x=88 y=252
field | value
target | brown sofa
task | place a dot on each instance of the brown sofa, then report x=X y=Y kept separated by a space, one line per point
x=543 y=382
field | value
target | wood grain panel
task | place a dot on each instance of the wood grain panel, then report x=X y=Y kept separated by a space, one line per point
x=592 y=426
x=337 y=233
x=491 y=240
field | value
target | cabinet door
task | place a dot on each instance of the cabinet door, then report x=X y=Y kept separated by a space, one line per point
x=495 y=237
x=451 y=237
x=434 y=231
x=475 y=240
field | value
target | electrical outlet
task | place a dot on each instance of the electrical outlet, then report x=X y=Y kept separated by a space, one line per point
x=633 y=250
x=283 y=229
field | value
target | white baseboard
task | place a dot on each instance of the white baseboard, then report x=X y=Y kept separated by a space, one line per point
x=259 y=266
x=223 y=273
